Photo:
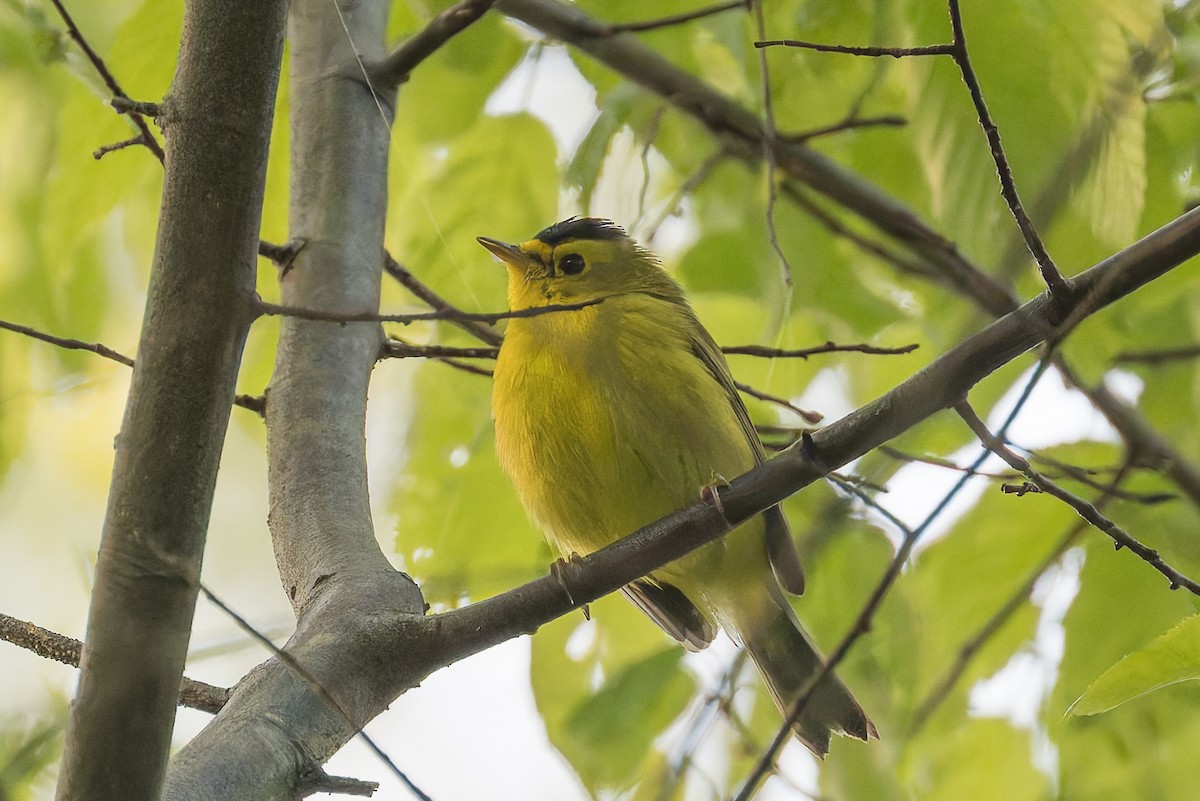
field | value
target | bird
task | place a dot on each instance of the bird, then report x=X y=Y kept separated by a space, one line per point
x=613 y=414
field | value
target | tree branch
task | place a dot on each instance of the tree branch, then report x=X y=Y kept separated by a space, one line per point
x=673 y=19
x=61 y=648
x=1008 y=186
x=1086 y=510
x=145 y=136
x=804 y=353
x=69 y=344
x=436 y=302
x=395 y=69
x=337 y=316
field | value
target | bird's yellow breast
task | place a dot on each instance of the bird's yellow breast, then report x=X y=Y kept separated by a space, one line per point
x=606 y=419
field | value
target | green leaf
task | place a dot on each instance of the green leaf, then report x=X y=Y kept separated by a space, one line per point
x=610 y=733
x=447 y=92
x=606 y=688
x=459 y=527
x=985 y=760
x=1171 y=658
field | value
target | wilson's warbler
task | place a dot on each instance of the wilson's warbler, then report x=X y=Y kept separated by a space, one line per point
x=613 y=415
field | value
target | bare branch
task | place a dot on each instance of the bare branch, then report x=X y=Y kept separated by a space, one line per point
x=104 y=150
x=851 y=123
x=675 y=19
x=268 y=309
x=804 y=353
x=1008 y=187
x=395 y=69
x=69 y=344
x=1157 y=357
x=874 y=52
x=399 y=349
x=61 y=648
x=282 y=255
x=810 y=417
x=437 y=302
x=1085 y=509
x=254 y=404
x=147 y=137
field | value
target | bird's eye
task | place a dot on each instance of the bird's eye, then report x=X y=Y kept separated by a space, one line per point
x=571 y=264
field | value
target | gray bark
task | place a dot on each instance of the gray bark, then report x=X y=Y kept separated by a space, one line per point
x=292 y=713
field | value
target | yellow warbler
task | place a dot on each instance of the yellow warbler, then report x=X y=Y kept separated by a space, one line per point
x=614 y=415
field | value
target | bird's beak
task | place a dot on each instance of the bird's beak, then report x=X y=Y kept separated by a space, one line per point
x=512 y=255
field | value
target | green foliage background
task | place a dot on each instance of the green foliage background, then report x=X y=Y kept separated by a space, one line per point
x=1096 y=101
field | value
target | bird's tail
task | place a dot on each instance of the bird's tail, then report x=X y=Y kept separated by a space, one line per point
x=788 y=660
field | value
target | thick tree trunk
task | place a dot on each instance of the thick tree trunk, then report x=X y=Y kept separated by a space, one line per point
x=291 y=714
x=217 y=120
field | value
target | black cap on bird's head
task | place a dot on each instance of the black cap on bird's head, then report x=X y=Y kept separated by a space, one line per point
x=580 y=228
x=580 y=257
x=527 y=254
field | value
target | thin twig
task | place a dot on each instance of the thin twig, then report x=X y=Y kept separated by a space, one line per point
x=399 y=64
x=1008 y=187
x=283 y=256
x=253 y=403
x=69 y=344
x=849 y=124
x=1086 y=510
x=104 y=150
x=399 y=349
x=770 y=146
x=804 y=353
x=1084 y=476
x=808 y=416
x=675 y=19
x=1079 y=474
x=945 y=464
x=873 y=52
x=437 y=302
x=109 y=80
x=61 y=648
x=269 y=309
x=1156 y=357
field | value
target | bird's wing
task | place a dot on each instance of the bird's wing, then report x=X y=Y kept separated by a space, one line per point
x=673 y=612
x=781 y=550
